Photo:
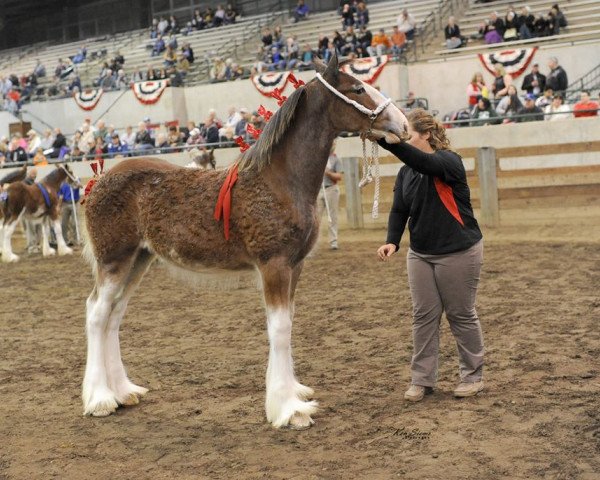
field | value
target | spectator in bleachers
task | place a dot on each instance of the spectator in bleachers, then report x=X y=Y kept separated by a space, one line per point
x=412 y=102
x=60 y=68
x=452 y=34
x=100 y=130
x=108 y=82
x=533 y=113
x=278 y=37
x=307 y=56
x=39 y=69
x=121 y=80
x=338 y=41
x=33 y=142
x=219 y=17
x=477 y=88
x=541 y=26
x=502 y=80
x=16 y=152
x=301 y=11
x=98 y=148
x=210 y=129
x=162 y=26
x=198 y=22
x=188 y=52
x=557 y=110
x=230 y=14
x=484 y=114
x=534 y=82
x=560 y=16
x=209 y=15
x=159 y=46
x=350 y=41
x=526 y=24
x=169 y=57
x=497 y=23
x=240 y=128
x=343 y=3
x=217 y=71
x=553 y=23
x=183 y=65
x=545 y=99
x=510 y=104
x=492 y=35
x=585 y=107
x=175 y=136
x=110 y=130
x=276 y=61
x=47 y=139
x=347 y=17
x=195 y=137
x=362 y=15
x=172 y=41
x=175 y=77
x=331 y=50
x=364 y=38
x=117 y=147
x=322 y=45
x=79 y=57
x=39 y=159
x=380 y=43
x=129 y=137
x=173 y=25
x=511 y=26
x=557 y=79
x=267 y=37
x=59 y=145
x=162 y=74
x=143 y=140
x=407 y=24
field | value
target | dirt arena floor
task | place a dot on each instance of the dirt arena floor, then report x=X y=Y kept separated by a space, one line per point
x=203 y=355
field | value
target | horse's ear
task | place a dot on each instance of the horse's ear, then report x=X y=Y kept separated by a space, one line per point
x=320 y=65
x=332 y=70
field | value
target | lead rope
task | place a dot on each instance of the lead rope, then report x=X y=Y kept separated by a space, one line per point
x=370 y=168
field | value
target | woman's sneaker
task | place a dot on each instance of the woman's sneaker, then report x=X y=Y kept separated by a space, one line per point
x=468 y=389
x=415 y=393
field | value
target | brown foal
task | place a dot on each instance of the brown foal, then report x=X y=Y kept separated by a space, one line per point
x=148 y=210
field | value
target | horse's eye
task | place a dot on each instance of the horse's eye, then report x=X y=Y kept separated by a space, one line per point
x=359 y=89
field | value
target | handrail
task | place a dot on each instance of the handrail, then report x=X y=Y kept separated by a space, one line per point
x=467 y=122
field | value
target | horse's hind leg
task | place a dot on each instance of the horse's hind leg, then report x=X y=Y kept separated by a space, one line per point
x=63 y=249
x=125 y=391
x=47 y=250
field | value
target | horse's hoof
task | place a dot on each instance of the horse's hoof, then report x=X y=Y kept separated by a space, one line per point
x=300 y=421
x=131 y=400
x=10 y=258
x=132 y=397
x=65 y=251
x=49 y=253
x=102 y=404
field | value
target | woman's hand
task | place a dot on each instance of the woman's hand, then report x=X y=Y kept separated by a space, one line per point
x=386 y=251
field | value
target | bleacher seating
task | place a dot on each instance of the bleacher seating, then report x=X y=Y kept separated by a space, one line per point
x=583 y=17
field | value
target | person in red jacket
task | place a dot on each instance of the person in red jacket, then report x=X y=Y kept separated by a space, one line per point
x=444 y=260
x=585 y=107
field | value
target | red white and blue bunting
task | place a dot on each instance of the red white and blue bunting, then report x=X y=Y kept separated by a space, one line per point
x=88 y=99
x=515 y=62
x=366 y=69
x=267 y=83
x=148 y=93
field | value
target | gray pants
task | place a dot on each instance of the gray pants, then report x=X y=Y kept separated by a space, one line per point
x=33 y=233
x=333 y=200
x=445 y=283
x=67 y=223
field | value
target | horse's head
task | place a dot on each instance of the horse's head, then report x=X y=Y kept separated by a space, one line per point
x=358 y=107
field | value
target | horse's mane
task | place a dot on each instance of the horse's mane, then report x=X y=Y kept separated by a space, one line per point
x=260 y=154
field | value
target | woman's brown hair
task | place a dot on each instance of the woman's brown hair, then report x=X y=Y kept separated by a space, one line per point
x=423 y=122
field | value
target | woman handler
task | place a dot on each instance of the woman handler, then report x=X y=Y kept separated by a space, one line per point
x=445 y=254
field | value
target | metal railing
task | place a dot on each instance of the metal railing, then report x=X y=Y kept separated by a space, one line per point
x=589 y=81
x=434 y=23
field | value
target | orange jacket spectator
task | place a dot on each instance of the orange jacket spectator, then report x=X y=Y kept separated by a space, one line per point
x=39 y=159
x=585 y=104
x=381 y=39
x=398 y=38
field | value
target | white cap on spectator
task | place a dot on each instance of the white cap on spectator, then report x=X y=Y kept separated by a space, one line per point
x=243 y=110
x=195 y=132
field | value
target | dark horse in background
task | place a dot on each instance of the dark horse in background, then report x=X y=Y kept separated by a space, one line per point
x=39 y=204
x=141 y=212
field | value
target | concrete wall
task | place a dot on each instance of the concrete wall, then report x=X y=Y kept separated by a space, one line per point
x=6 y=119
x=445 y=82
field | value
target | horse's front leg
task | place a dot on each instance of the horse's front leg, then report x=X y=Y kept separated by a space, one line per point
x=285 y=404
x=60 y=241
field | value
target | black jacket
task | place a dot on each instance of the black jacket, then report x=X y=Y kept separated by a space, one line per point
x=431 y=195
x=528 y=80
x=18 y=155
x=557 y=80
x=451 y=32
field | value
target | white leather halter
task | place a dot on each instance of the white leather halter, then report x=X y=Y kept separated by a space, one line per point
x=372 y=114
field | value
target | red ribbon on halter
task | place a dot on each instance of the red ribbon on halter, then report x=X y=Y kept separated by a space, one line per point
x=295 y=82
x=266 y=114
x=243 y=145
x=223 y=207
x=252 y=130
x=276 y=94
